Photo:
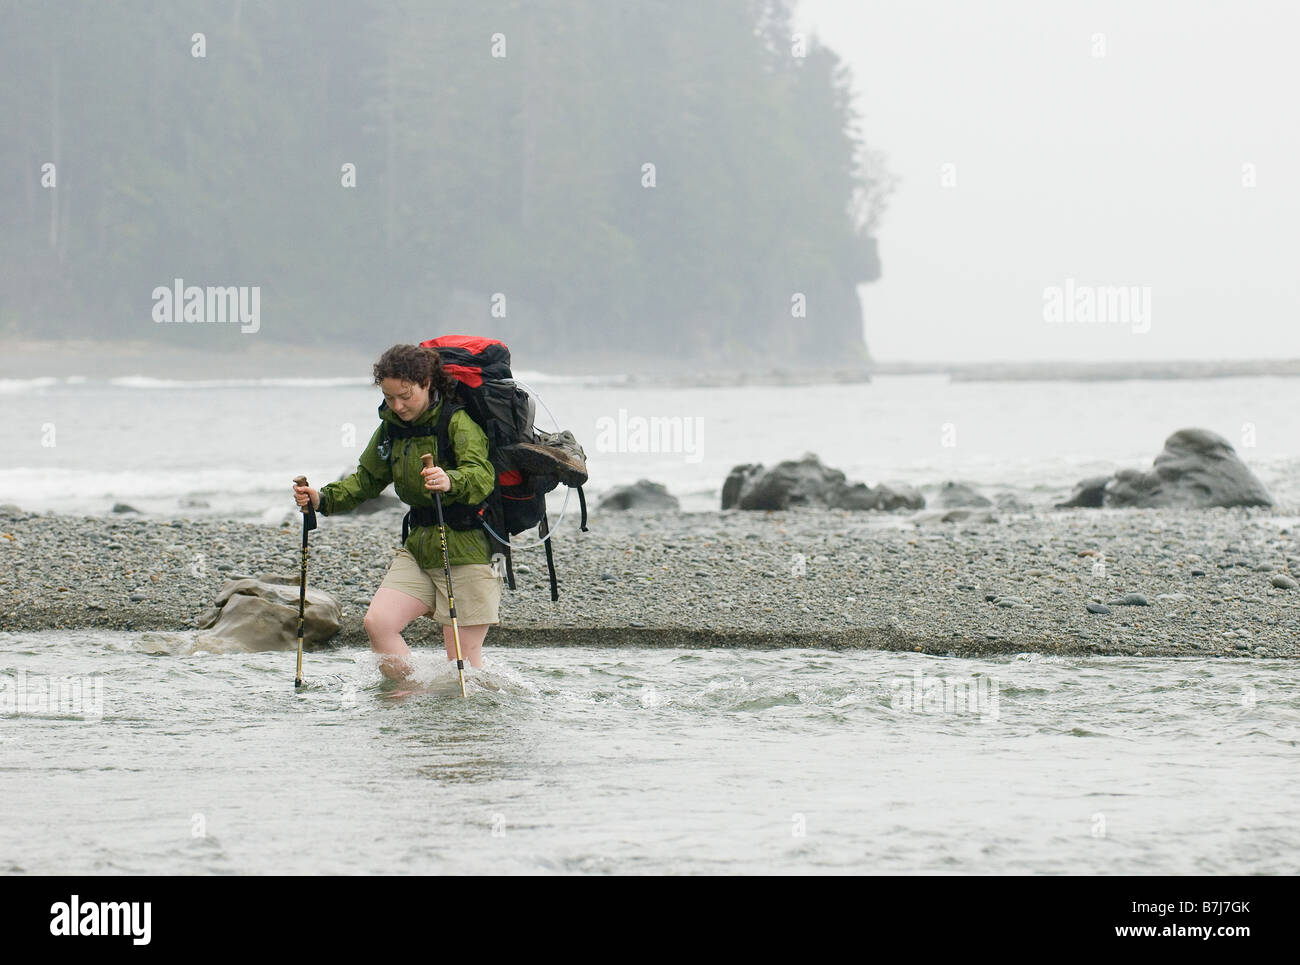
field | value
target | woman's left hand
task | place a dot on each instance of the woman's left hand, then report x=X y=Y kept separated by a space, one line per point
x=435 y=479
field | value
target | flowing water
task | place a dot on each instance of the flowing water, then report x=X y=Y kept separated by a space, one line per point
x=120 y=757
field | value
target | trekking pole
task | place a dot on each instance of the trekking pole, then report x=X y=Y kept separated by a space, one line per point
x=308 y=524
x=446 y=569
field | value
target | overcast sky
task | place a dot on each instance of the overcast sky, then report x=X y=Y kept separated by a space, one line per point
x=1117 y=170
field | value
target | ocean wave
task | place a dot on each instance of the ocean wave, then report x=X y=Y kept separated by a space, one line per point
x=151 y=382
x=84 y=487
x=531 y=377
x=24 y=385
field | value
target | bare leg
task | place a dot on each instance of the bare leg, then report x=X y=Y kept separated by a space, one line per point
x=471 y=643
x=389 y=613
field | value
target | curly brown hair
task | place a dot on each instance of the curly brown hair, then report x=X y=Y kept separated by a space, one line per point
x=412 y=363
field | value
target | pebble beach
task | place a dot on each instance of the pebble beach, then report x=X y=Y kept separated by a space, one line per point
x=1219 y=582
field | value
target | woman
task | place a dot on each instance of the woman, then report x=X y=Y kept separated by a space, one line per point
x=414 y=384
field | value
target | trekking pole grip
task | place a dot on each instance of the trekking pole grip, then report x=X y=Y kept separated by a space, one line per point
x=309 y=522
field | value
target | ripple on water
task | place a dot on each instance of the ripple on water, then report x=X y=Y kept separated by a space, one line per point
x=628 y=760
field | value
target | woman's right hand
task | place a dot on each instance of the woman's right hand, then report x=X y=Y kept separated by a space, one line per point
x=302 y=493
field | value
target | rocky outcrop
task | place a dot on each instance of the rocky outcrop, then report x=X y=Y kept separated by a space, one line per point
x=261 y=613
x=1089 y=493
x=641 y=496
x=806 y=482
x=1198 y=469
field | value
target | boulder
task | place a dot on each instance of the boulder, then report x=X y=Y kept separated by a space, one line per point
x=807 y=482
x=1088 y=494
x=955 y=495
x=739 y=480
x=802 y=482
x=641 y=496
x=889 y=499
x=1198 y=469
x=884 y=498
x=261 y=613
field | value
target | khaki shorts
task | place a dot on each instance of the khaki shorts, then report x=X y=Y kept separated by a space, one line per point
x=476 y=588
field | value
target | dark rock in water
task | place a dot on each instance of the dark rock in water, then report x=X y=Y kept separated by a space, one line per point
x=124 y=508
x=856 y=496
x=806 y=482
x=1097 y=608
x=189 y=502
x=888 y=499
x=882 y=497
x=1196 y=470
x=740 y=478
x=954 y=495
x=1089 y=494
x=642 y=495
x=262 y=614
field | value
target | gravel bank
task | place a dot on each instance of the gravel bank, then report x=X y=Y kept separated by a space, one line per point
x=1017 y=584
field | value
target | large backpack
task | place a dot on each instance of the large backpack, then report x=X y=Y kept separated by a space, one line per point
x=528 y=463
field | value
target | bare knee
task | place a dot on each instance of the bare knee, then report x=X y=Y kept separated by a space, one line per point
x=380 y=622
x=389 y=613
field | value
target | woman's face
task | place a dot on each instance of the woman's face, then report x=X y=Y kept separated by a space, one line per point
x=406 y=399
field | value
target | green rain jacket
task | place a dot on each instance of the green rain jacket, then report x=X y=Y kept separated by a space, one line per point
x=471 y=482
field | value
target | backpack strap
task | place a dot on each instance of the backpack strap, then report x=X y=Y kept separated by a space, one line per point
x=408 y=432
x=544 y=530
x=418 y=516
x=492 y=517
x=456 y=516
x=510 y=568
x=443 y=431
